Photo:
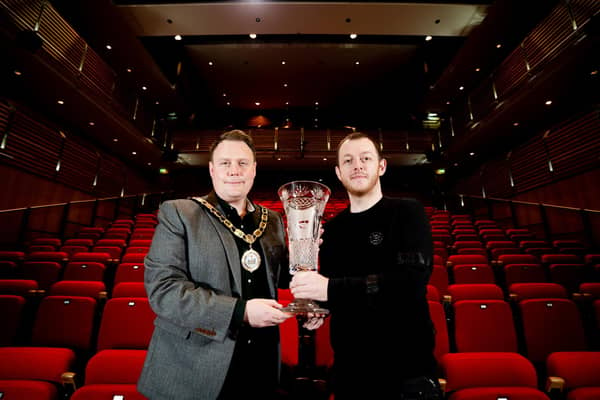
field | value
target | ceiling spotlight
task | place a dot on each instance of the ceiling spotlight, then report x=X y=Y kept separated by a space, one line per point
x=129 y=70
x=224 y=94
x=471 y=154
x=61 y=102
x=133 y=153
x=428 y=38
x=228 y=103
x=253 y=36
x=461 y=88
x=257 y=103
x=287 y=103
x=178 y=37
x=477 y=69
x=515 y=124
x=91 y=123
x=498 y=46
x=285 y=85
x=157 y=102
x=316 y=103
x=594 y=72
x=353 y=36
x=108 y=47
x=115 y=140
x=282 y=62
x=548 y=102
x=144 y=88
x=448 y=102
x=356 y=62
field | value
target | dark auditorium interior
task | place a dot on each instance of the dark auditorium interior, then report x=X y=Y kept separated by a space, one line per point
x=487 y=112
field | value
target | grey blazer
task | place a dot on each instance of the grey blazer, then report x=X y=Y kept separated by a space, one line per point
x=192 y=277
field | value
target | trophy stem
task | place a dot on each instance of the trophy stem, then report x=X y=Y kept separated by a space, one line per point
x=304 y=306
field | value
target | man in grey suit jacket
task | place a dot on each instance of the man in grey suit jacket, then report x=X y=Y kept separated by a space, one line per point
x=211 y=276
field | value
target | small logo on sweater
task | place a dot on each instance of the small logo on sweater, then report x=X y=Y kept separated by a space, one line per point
x=375 y=238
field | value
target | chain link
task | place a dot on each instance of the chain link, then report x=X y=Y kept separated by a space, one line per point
x=246 y=237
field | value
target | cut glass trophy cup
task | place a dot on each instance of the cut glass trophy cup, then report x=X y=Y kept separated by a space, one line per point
x=303 y=203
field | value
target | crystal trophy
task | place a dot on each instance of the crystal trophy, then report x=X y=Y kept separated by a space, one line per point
x=303 y=203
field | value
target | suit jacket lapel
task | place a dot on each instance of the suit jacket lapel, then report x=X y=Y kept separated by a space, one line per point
x=229 y=244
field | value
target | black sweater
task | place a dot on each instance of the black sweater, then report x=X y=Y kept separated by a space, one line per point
x=379 y=262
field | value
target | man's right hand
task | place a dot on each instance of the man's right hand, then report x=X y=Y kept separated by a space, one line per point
x=261 y=313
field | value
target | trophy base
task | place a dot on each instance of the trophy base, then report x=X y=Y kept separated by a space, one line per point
x=304 y=307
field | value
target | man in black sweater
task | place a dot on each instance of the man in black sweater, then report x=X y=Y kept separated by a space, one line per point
x=375 y=262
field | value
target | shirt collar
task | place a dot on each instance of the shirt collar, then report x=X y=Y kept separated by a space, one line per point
x=228 y=208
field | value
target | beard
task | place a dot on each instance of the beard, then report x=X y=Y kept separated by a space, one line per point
x=361 y=187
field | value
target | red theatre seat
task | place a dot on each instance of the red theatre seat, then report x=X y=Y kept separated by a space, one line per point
x=112 y=374
x=28 y=373
x=577 y=374
x=127 y=323
x=490 y=376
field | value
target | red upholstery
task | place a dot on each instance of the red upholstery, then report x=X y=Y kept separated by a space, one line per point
x=94 y=289
x=137 y=250
x=439 y=279
x=288 y=332
x=140 y=242
x=484 y=326
x=46 y=241
x=490 y=376
x=45 y=273
x=103 y=258
x=442 y=341
x=73 y=249
x=84 y=271
x=477 y=291
x=433 y=294
x=323 y=349
x=79 y=242
x=56 y=256
x=499 y=393
x=115 y=366
x=111 y=373
x=467 y=244
x=578 y=369
x=127 y=323
x=19 y=287
x=108 y=392
x=65 y=321
x=522 y=273
x=471 y=370
x=16 y=256
x=133 y=258
x=458 y=259
x=568 y=275
x=506 y=259
x=551 y=325
x=473 y=273
x=129 y=272
x=129 y=289
x=590 y=290
x=497 y=252
x=114 y=251
x=33 y=373
x=111 y=242
x=11 y=313
x=533 y=290
x=28 y=390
